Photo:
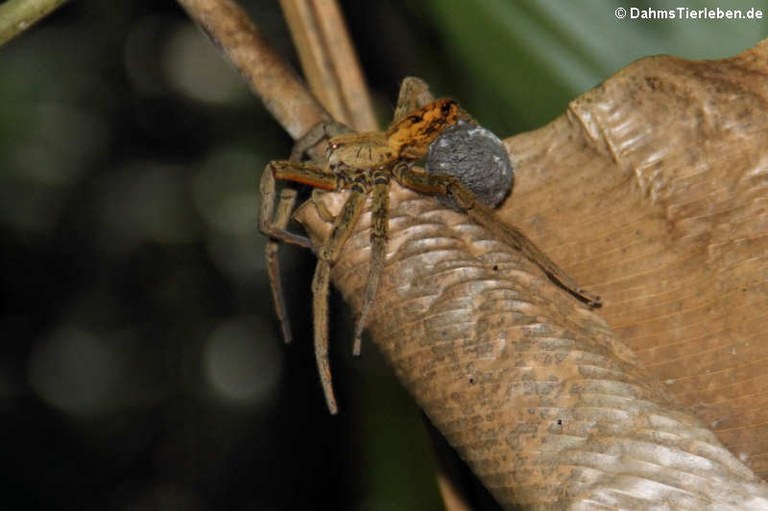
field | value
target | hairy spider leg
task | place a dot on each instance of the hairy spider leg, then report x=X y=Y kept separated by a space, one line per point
x=414 y=94
x=324 y=179
x=275 y=224
x=340 y=232
x=379 y=229
x=292 y=170
x=444 y=185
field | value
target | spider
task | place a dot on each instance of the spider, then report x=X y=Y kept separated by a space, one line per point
x=364 y=164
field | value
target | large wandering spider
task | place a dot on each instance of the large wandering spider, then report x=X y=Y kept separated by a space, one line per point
x=364 y=164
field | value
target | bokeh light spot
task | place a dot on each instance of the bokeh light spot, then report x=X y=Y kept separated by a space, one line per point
x=242 y=363
x=227 y=198
x=74 y=371
x=146 y=201
x=196 y=69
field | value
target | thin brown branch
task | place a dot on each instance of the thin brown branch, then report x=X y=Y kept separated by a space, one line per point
x=329 y=60
x=16 y=16
x=278 y=86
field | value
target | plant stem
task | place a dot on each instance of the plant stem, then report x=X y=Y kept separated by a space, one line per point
x=16 y=16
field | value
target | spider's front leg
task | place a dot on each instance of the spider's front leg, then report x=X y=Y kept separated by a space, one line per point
x=450 y=186
x=414 y=94
x=276 y=227
x=324 y=179
x=275 y=223
x=379 y=228
x=340 y=232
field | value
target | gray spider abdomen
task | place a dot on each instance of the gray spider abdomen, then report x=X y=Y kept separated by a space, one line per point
x=477 y=157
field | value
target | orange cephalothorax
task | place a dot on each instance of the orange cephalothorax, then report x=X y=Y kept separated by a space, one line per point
x=407 y=139
x=410 y=137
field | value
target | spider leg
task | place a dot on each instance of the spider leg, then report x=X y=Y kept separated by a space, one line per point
x=342 y=228
x=321 y=131
x=486 y=217
x=414 y=93
x=379 y=220
x=444 y=185
x=275 y=224
x=276 y=227
x=287 y=200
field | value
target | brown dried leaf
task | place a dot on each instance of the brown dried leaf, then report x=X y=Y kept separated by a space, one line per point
x=653 y=190
x=535 y=391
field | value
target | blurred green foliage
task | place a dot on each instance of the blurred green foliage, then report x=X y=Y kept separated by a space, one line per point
x=533 y=57
x=140 y=366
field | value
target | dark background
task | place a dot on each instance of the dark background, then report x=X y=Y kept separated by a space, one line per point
x=140 y=364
